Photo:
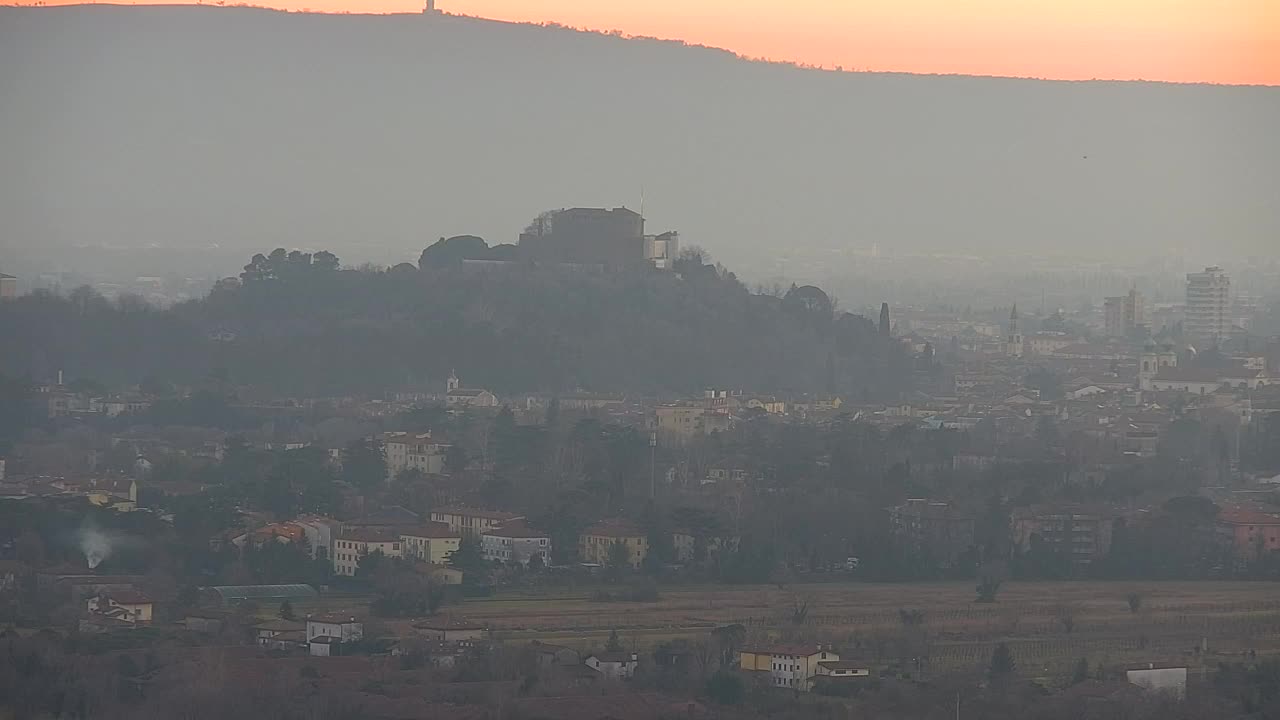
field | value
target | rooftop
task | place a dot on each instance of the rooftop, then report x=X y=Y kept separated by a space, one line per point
x=430 y=530
x=1247 y=516
x=792 y=649
x=369 y=535
x=129 y=597
x=498 y=515
x=614 y=528
x=516 y=529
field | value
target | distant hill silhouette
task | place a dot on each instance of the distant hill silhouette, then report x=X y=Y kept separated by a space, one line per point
x=191 y=126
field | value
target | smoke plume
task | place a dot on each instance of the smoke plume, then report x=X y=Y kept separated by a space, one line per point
x=95 y=545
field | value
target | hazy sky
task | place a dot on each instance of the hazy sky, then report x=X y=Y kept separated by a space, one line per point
x=1219 y=41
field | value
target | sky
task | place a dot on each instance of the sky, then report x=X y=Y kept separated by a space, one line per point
x=1215 y=41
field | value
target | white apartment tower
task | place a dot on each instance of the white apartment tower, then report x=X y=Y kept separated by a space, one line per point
x=1207 y=318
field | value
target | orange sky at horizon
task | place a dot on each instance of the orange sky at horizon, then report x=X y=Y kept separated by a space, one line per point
x=1215 y=41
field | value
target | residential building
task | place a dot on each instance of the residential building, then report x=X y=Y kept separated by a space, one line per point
x=1125 y=314
x=282 y=533
x=614 y=665
x=119 y=493
x=326 y=633
x=1251 y=533
x=1080 y=533
x=547 y=655
x=273 y=632
x=937 y=530
x=472 y=522
x=589 y=401
x=1207 y=315
x=688 y=547
x=1047 y=343
x=439 y=574
x=678 y=424
x=767 y=403
x=433 y=543
x=319 y=533
x=130 y=606
x=354 y=543
x=342 y=627
x=8 y=287
x=414 y=451
x=788 y=666
x=515 y=542
x=596 y=541
x=837 y=670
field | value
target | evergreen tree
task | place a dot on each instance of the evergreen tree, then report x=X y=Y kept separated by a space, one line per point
x=614 y=643
x=468 y=557
x=619 y=556
x=286 y=611
x=1002 y=663
x=364 y=464
x=1081 y=672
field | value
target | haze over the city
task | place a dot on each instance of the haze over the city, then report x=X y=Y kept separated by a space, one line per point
x=625 y=360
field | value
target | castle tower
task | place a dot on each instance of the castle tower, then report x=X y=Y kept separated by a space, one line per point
x=1014 y=342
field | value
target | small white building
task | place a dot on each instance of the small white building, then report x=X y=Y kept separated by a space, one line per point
x=614 y=666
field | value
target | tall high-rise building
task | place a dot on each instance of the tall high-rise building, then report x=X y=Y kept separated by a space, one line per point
x=1207 y=316
x=884 y=320
x=1125 y=314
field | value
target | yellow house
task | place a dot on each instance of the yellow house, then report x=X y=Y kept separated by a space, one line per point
x=595 y=542
x=432 y=543
x=789 y=666
x=354 y=544
x=116 y=493
x=128 y=605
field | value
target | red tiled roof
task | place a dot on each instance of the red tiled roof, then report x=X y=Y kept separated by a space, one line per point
x=1247 y=516
x=516 y=529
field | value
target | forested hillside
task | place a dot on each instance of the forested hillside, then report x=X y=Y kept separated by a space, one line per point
x=309 y=328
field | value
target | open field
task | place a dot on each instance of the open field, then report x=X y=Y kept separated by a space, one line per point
x=1176 y=620
x=1184 y=622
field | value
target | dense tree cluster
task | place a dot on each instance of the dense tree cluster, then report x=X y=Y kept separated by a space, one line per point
x=295 y=323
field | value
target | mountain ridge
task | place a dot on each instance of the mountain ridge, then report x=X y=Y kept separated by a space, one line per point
x=245 y=127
